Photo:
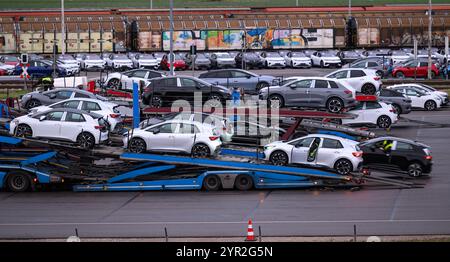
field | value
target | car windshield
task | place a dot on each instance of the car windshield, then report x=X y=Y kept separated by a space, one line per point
x=92 y=57
x=223 y=55
x=298 y=55
x=351 y=54
x=120 y=56
x=10 y=59
x=158 y=55
x=146 y=56
x=428 y=87
x=272 y=55
x=329 y=54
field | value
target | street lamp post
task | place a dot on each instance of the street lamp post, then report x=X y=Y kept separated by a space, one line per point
x=349 y=8
x=171 y=58
x=63 y=29
x=430 y=21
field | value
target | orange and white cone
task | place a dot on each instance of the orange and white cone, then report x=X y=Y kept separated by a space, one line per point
x=250 y=233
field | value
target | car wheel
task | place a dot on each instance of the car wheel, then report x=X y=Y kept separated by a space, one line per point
x=384 y=121
x=33 y=103
x=23 y=130
x=261 y=85
x=335 y=105
x=200 y=150
x=156 y=102
x=114 y=83
x=86 y=140
x=137 y=145
x=368 y=89
x=397 y=109
x=279 y=158
x=430 y=105
x=400 y=75
x=243 y=182
x=18 y=181
x=214 y=101
x=276 y=101
x=211 y=183
x=343 y=166
x=415 y=170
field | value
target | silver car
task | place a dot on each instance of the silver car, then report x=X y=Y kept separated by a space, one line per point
x=399 y=101
x=39 y=98
x=316 y=92
x=317 y=150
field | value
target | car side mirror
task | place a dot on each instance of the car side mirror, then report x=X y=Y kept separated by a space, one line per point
x=292 y=86
x=42 y=118
x=52 y=96
x=248 y=77
x=156 y=131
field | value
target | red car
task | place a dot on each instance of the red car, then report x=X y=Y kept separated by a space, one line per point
x=9 y=60
x=178 y=64
x=418 y=68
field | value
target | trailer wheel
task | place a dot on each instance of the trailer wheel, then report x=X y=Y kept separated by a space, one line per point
x=18 y=181
x=211 y=183
x=243 y=182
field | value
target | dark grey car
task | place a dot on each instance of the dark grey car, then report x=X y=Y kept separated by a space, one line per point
x=39 y=98
x=201 y=61
x=375 y=63
x=399 y=101
x=316 y=92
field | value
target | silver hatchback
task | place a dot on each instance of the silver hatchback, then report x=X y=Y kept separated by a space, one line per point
x=315 y=92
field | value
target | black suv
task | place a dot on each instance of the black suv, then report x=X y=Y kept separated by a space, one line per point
x=163 y=91
x=397 y=154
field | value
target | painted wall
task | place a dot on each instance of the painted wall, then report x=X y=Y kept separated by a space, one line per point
x=7 y=43
x=368 y=36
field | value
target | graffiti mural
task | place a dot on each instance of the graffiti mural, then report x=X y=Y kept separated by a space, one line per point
x=182 y=40
x=368 y=36
x=7 y=43
x=148 y=41
x=319 y=38
x=222 y=39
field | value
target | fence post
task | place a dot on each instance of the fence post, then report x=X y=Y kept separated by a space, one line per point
x=259 y=233
x=165 y=234
x=354 y=233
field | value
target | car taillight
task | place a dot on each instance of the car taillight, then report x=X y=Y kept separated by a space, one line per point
x=357 y=154
x=114 y=115
x=213 y=138
x=99 y=127
x=348 y=92
x=376 y=78
x=428 y=157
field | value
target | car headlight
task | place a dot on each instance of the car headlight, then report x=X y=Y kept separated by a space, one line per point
x=268 y=147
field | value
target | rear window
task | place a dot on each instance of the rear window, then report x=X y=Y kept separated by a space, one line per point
x=331 y=143
x=333 y=84
x=404 y=146
x=74 y=117
x=321 y=84
x=357 y=73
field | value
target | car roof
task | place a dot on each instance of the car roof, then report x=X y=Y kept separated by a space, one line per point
x=309 y=77
x=327 y=136
x=396 y=139
x=71 y=110
x=70 y=89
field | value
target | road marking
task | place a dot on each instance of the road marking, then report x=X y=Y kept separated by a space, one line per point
x=230 y=222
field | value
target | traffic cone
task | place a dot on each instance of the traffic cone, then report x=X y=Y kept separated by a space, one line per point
x=250 y=233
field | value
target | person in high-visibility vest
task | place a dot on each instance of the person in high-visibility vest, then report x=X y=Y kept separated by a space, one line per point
x=387 y=146
x=47 y=82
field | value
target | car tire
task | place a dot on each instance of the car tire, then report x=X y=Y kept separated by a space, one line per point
x=18 y=181
x=32 y=103
x=400 y=75
x=200 y=150
x=430 y=105
x=137 y=145
x=114 y=83
x=214 y=100
x=86 y=140
x=23 y=130
x=397 y=108
x=335 y=105
x=243 y=182
x=343 y=166
x=279 y=158
x=415 y=170
x=156 y=101
x=212 y=183
x=261 y=85
x=384 y=121
x=368 y=89
x=273 y=99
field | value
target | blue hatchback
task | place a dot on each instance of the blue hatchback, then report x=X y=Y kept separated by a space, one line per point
x=39 y=69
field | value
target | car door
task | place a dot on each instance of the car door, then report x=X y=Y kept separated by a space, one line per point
x=169 y=89
x=188 y=89
x=299 y=153
x=297 y=93
x=372 y=111
x=161 y=137
x=329 y=151
x=72 y=125
x=184 y=138
x=422 y=69
x=359 y=112
x=401 y=153
x=356 y=79
x=416 y=100
x=243 y=80
x=411 y=68
x=49 y=127
x=318 y=93
x=374 y=154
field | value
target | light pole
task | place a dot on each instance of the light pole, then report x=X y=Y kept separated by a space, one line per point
x=296 y=3
x=63 y=30
x=430 y=21
x=349 y=8
x=171 y=58
x=151 y=4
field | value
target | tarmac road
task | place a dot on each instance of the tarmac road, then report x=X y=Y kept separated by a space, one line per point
x=309 y=212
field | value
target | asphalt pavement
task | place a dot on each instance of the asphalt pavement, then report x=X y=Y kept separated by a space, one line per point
x=306 y=212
